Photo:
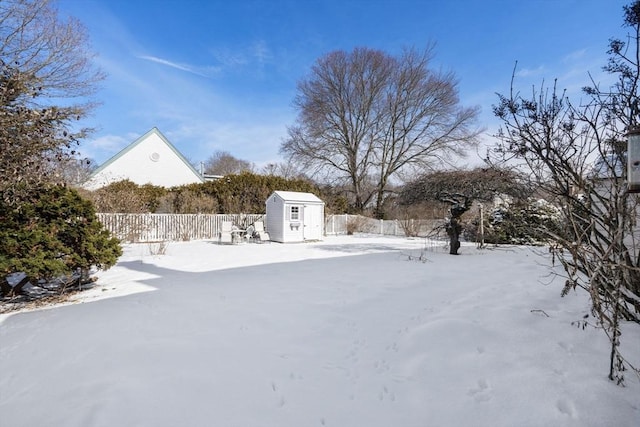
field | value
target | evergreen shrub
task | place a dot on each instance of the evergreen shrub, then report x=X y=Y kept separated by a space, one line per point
x=53 y=234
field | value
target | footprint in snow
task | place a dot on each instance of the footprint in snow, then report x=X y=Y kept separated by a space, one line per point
x=567 y=407
x=481 y=393
x=566 y=346
x=280 y=401
x=386 y=394
x=392 y=347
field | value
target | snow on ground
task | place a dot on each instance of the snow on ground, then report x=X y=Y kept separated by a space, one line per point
x=345 y=332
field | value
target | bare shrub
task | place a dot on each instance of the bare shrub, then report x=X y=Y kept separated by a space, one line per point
x=158 y=248
x=119 y=197
x=357 y=224
x=417 y=219
x=188 y=202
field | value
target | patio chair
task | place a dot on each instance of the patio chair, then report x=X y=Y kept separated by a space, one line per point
x=260 y=232
x=250 y=234
x=225 y=235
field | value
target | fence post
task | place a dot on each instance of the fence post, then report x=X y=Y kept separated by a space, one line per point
x=481 y=208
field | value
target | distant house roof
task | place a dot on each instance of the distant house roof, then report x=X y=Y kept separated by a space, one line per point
x=152 y=159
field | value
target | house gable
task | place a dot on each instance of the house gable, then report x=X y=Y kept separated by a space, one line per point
x=150 y=159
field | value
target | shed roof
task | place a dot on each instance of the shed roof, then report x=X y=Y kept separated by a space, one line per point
x=295 y=196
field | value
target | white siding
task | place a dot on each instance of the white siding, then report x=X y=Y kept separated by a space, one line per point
x=283 y=228
x=275 y=218
x=313 y=222
x=293 y=228
x=148 y=161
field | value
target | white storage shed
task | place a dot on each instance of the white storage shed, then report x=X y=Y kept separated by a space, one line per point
x=294 y=217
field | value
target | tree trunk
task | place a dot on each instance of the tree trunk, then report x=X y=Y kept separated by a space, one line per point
x=454 y=229
x=379 y=212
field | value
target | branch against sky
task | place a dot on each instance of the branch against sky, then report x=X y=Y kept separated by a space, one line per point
x=44 y=63
x=224 y=163
x=38 y=42
x=365 y=116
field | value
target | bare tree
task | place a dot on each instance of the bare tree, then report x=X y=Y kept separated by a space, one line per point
x=576 y=154
x=459 y=189
x=366 y=117
x=223 y=163
x=283 y=169
x=56 y=52
x=44 y=66
x=73 y=170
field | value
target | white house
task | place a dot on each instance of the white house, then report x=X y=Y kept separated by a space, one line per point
x=294 y=217
x=150 y=159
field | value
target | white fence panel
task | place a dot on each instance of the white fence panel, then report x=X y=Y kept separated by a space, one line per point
x=349 y=224
x=170 y=227
x=177 y=227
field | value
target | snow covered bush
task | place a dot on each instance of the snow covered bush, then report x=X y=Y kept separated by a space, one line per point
x=521 y=223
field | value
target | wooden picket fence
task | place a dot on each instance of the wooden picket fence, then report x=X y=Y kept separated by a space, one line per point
x=182 y=227
x=170 y=227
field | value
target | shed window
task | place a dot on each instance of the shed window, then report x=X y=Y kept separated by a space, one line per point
x=295 y=213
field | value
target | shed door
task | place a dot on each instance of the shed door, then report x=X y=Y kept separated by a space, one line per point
x=312 y=223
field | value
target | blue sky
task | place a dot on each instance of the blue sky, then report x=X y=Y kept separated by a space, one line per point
x=222 y=74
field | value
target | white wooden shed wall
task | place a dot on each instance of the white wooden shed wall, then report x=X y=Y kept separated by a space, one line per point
x=151 y=159
x=294 y=217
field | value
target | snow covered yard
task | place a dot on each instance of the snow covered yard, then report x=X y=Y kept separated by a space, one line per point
x=346 y=332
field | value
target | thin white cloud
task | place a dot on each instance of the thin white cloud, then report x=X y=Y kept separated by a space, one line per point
x=261 y=52
x=165 y=62
x=250 y=138
x=531 y=72
x=576 y=55
x=257 y=52
x=229 y=58
x=208 y=71
x=105 y=146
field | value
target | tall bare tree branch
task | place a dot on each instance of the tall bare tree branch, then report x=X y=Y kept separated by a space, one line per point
x=46 y=77
x=366 y=116
x=577 y=154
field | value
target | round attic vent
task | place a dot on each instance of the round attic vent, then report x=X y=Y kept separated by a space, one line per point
x=154 y=157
